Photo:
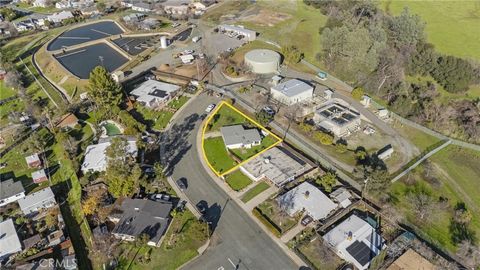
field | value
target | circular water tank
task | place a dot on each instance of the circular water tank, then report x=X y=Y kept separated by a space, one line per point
x=262 y=61
x=163 y=42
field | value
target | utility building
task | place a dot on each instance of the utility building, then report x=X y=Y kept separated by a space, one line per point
x=292 y=92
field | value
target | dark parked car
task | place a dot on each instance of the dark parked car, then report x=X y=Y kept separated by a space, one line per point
x=182 y=184
x=202 y=207
x=306 y=220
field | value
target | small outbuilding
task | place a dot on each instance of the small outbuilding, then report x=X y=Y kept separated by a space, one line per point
x=33 y=161
x=39 y=176
x=292 y=92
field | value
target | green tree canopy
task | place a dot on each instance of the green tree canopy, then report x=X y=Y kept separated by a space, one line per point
x=327 y=181
x=103 y=89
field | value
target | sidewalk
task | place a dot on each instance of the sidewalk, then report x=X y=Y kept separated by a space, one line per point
x=260 y=198
x=182 y=196
x=292 y=232
x=233 y=195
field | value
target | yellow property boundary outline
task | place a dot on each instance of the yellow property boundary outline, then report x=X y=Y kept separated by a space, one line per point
x=279 y=140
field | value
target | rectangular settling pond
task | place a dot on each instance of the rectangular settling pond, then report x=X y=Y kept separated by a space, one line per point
x=81 y=61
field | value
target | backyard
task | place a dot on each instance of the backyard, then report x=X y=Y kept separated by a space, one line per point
x=319 y=255
x=272 y=211
x=246 y=153
x=225 y=116
x=158 y=120
x=217 y=154
x=237 y=180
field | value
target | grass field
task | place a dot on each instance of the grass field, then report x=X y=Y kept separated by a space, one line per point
x=225 y=116
x=217 y=154
x=420 y=139
x=237 y=180
x=254 y=191
x=458 y=177
x=452 y=26
x=244 y=154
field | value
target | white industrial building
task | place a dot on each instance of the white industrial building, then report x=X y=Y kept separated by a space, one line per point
x=95 y=155
x=337 y=117
x=277 y=165
x=306 y=197
x=292 y=91
x=355 y=241
x=262 y=61
x=249 y=35
x=153 y=94
x=9 y=241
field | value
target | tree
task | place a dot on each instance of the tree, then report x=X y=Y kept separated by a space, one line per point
x=306 y=127
x=327 y=181
x=292 y=54
x=244 y=89
x=323 y=138
x=105 y=92
x=142 y=240
x=51 y=219
x=422 y=202
x=358 y=93
x=340 y=147
x=406 y=30
x=263 y=117
x=13 y=79
x=123 y=174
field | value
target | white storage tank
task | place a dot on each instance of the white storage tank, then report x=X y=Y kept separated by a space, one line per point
x=263 y=61
x=163 y=42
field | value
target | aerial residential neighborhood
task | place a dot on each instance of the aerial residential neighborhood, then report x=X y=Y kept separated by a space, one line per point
x=215 y=134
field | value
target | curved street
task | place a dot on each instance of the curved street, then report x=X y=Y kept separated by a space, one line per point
x=237 y=242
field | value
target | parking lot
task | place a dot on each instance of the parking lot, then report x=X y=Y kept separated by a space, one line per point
x=81 y=61
x=84 y=34
x=134 y=46
x=217 y=43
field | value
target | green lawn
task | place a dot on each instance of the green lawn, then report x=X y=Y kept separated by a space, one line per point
x=246 y=153
x=6 y=92
x=225 y=116
x=452 y=26
x=237 y=180
x=177 y=103
x=217 y=154
x=50 y=9
x=254 y=191
x=419 y=138
x=184 y=236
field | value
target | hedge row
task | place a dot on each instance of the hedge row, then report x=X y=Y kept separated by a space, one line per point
x=267 y=222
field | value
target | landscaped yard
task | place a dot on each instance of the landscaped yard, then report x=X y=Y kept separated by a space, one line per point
x=159 y=119
x=450 y=25
x=318 y=254
x=237 y=180
x=254 y=191
x=217 y=154
x=179 y=102
x=273 y=212
x=245 y=153
x=184 y=236
x=225 y=116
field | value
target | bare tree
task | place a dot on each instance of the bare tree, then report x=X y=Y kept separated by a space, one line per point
x=423 y=204
x=469 y=253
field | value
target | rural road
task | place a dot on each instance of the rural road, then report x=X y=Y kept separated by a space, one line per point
x=237 y=241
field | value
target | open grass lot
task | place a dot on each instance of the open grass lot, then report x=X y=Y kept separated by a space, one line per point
x=452 y=26
x=319 y=255
x=184 y=236
x=225 y=116
x=456 y=177
x=217 y=154
x=50 y=9
x=244 y=153
x=237 y=180
x=420 y=139
x=272 y=210
x=299 y=28
x=254 y=191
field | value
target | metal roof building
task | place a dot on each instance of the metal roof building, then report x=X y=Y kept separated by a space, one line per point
x=292 y=91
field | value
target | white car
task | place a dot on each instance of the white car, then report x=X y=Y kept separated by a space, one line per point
x=188 y=52
x=210 y=108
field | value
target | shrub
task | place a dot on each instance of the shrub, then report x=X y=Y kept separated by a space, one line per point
x=323 y=138
x=266 y=221
x=358 y=93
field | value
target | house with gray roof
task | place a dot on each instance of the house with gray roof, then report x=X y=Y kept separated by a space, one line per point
x=239 y=137
x=9 y=242
x=10 y=191
x=37 y=201
x=292 y=92
x=136 y=217
x=153 y=93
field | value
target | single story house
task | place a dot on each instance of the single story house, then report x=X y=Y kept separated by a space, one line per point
x=60 y=16
x=95 y=155
x=249 y=35
x=67 y=121
x=142 y=7
x=176 y=7
x=237 y=136
x=39 y=176
x=292 y=92
x=355 y=241
x=137 y=216
x=37 y=201
x=153 y=94
x=10 y=191
x=277 y=165
x=33 y=161
x=9 y=242
x=306 y=197
x=411 y=260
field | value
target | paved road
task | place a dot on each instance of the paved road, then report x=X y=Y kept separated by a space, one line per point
x=237 y=241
